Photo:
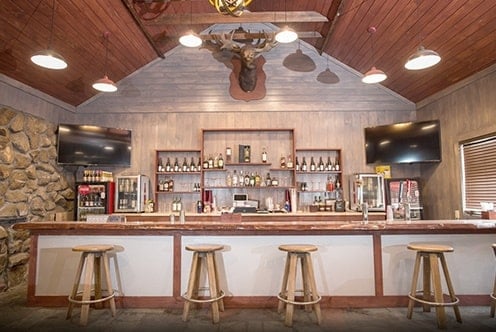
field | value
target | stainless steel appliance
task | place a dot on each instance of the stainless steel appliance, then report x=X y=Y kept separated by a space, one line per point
x=132 y=192
x=367 y=188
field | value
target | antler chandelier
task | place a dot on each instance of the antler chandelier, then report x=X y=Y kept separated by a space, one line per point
x=230 y=7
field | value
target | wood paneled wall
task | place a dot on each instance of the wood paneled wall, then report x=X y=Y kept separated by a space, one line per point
x=466 y=111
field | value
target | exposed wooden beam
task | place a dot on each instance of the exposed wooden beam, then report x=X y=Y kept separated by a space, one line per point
x=247 y=17
x=334 y=11
x=257 y=35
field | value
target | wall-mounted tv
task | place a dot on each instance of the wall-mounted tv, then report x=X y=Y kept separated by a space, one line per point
x=407 y=142
x=88 y=145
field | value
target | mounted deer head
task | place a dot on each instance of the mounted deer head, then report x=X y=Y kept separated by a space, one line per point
x=247 y=52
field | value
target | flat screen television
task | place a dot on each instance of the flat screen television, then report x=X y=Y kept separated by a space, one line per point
x=88 y=145
x=407 y=142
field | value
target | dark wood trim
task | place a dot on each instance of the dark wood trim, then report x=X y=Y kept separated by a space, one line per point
x=378 y=281
x=33 y=262
x=266 y=302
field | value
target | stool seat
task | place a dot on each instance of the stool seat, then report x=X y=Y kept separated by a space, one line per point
x=93 y=247
x=204 y=247
x=430 y=247
x=93 y=259
x=286 y=297
x=298 y=248
x=204 y=253
x=429 y=255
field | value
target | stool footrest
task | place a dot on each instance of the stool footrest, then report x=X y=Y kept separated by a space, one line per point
x=420 y=300
x=281 y=297
x=493 y=296
x=213 y=299
x=108 y=297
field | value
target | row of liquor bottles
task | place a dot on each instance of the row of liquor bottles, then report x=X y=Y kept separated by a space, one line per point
x=218 y=162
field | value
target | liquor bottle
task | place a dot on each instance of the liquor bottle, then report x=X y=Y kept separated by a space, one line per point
x=336 y=163
x=220 y=162
x=168 y=165
x=228 y=179
x=252 y=180
x=258 y=180
x=304 y=165
x=192 y=166
x=210 y=162
x=264 y=155
x=205 y=162
x=216 y=162
x=176 y=165
x=160 y=165
x=247 y=180
x=289 y=162
x=328 y=164
x=235 y=179
x=312 y=164
x=241 y=179
x=268 y=180
x=297 y=166
x=283 y=162
x=228 y=154
x=199 y=165
x=321 y=164
x=185 y=167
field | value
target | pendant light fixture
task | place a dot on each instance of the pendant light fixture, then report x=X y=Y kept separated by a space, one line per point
x=105 y=84
x=374 y=75
x=190 y=38
x=49 y=58
x=286 y=34
x=422 y=58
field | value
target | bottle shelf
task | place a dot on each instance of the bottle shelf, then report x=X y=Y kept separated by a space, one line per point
x=318 y=172
x=178 y=173
x=247 y=164
x=248 y=187
x=177 y=192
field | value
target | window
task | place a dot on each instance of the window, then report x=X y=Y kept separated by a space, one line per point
x=478 y=172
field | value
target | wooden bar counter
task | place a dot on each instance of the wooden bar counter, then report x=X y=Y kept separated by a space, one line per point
x=357 y=264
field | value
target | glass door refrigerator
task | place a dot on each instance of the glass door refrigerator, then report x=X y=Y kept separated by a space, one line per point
x=400 y=192
x=132 y=192
x=94 y=198
x=367 y=188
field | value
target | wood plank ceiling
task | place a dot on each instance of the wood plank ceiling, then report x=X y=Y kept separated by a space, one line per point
x=463 y=32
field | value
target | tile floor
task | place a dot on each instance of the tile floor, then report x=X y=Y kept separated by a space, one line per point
x=16 y=316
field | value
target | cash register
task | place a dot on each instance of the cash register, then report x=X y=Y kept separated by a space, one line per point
x=241 y=204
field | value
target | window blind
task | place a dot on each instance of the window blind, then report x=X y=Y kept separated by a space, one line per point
x=479 y=172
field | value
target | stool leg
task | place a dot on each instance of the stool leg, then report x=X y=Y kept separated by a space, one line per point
x=212 y=281
x=97 y=268
x=106 y=269
x=191 y=284
x=307 y=292
x=221 y=301
x=450 y=288
x=438 y=292
x=284 y=286
x=413 y=289
x=427 y=289
x=88 y=276
x=313 y=287
x=75 y=287
x=291 y=290
x=493 y=300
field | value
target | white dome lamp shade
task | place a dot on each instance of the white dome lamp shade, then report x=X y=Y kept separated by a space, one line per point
x=105 y=84
x=49 y=58
x=190 y=39
x=422 y=59
x=374 y=75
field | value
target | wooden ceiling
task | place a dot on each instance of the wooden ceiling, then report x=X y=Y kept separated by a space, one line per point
x=463 y=32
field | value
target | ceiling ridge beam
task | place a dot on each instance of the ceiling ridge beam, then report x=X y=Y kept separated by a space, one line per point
x=247 y=17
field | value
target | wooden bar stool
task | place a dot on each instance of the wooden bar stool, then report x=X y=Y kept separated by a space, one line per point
x=429 y=254
x=92 y=257
x=286 y=297
x=493 y=294
x=204 y=253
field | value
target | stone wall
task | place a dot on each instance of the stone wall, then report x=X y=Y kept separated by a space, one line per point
x=31 y=186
